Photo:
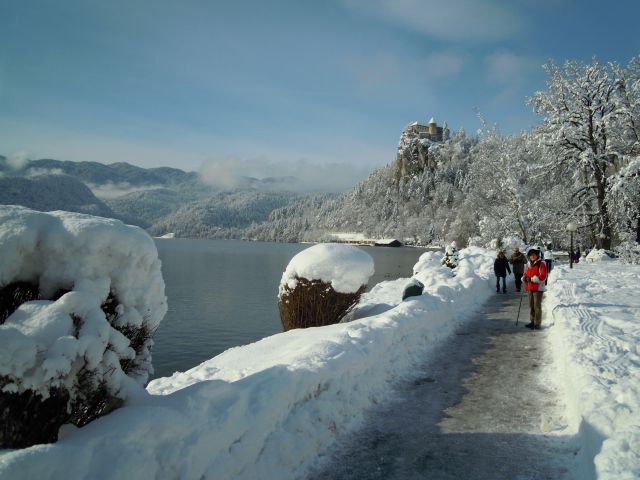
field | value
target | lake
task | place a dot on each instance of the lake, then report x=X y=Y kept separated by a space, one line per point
x=223 y=293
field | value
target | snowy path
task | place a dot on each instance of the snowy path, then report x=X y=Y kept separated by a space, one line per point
x=480 y=409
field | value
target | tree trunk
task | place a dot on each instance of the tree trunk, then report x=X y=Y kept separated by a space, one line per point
x=605 y=226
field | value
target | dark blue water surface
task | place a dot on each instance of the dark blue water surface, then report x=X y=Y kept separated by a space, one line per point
x=223 y=293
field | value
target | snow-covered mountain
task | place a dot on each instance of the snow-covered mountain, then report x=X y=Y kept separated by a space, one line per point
x=52 y=192
x=94 y=173
x=157 y=198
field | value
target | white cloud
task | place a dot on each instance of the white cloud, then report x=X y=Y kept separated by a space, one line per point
x=452 y=20
x=509 y=68
x=442 y=65
x=301 y=175
x=376 y=72
x=111 y=190
x=36 y=172
x=510 y=73
x=17 y=160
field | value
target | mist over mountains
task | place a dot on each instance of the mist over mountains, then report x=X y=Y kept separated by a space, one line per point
x=52 y=192
x=159 y=199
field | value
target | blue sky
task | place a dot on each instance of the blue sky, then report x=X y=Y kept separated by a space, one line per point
x=269 y=87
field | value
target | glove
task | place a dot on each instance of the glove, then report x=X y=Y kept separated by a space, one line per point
x=527 y=279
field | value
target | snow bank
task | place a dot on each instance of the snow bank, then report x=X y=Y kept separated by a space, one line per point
x=596 y=256
x=45 y=343
x=595 y=309
x=267 y=410
x=345 y=267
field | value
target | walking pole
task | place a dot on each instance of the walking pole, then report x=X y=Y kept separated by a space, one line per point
x=519 y=307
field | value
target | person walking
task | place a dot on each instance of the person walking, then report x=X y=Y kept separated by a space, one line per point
x=534 y=277
x=548 y=260
x=500 y=268
x=518 y=260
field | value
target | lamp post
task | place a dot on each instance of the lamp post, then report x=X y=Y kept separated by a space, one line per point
x=571 y=227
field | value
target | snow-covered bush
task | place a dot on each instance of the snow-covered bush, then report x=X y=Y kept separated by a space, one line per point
x=451 y=255
x=508 y=244
x=80 y=298
x=321 y=283
x=475 y=242
x=629 y=252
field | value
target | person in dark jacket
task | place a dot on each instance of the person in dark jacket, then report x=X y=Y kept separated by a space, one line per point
x=500 y=268
x=518 y=260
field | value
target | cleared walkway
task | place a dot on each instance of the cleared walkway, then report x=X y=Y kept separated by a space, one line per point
x=479 y=409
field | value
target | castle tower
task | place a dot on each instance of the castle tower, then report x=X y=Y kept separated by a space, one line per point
x=433 y=127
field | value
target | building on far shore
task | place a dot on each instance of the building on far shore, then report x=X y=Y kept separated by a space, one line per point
x=360 y=239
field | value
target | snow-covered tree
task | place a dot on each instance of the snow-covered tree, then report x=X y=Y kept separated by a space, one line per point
x=450 y=258
x=624 y=199
x=580 y=115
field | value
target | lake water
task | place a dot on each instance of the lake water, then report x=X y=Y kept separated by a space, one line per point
x=223 y=293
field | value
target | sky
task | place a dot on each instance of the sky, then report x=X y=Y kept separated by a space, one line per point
x=267 y=88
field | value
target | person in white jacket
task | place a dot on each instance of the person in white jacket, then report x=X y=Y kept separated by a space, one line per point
x=549 y=260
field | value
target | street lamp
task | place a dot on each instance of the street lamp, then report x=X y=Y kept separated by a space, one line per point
x=571 y=227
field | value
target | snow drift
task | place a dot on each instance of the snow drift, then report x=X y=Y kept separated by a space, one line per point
x=596 y=337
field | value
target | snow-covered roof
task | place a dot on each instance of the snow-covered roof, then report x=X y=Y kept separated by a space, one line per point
x=350 y=237
x=387 y=241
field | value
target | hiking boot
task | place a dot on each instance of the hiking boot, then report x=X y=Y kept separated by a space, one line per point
x=529 y=325
x=537 y=327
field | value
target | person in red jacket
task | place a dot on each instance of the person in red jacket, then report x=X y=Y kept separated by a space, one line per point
x=534 y=276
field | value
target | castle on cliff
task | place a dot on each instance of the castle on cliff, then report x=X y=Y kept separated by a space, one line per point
x=430 y=131
x=413 y=155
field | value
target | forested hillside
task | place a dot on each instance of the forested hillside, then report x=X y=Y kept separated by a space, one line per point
x=224 y=215
x=52 y=192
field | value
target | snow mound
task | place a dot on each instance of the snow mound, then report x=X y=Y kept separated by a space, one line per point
x=428 y=260
x=78 y=263
x=596 y=256
x=345 y=267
